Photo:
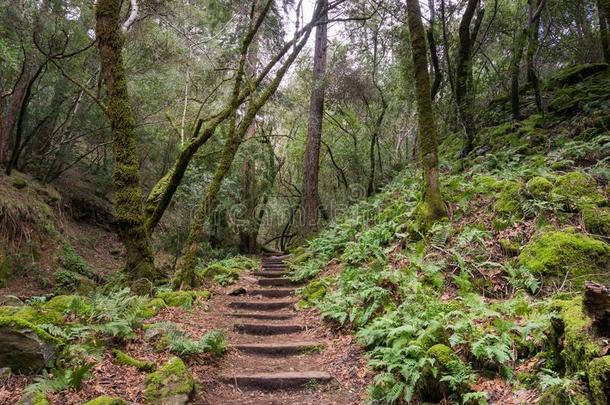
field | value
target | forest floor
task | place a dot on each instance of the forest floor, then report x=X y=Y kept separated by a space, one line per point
x=317 y=348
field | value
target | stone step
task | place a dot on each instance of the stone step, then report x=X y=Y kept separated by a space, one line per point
x=262 y=305
x=272 y=292
x=273 y=268
x=279 y=348
x=277 y=381
x=270 y=317
x=276 y=282
x=262 y=329
x=269 y=274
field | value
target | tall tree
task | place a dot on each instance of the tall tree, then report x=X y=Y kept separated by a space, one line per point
x=464 y=95
x=434 y=206
x=530 y=35
x=310 y=198
x=131 y=222
x=603 y=13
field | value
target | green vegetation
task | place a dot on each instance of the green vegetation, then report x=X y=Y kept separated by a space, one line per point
x=127 y=360
x=105 y=400
x=171 y=380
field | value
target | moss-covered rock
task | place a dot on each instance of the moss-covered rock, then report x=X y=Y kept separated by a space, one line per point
x=106 y=400
x=509 y=247
x=572 y=343
x=431 y=387
x=561 y=395
x=598 y=374
x=539 y=187
x=597 y=220
x=152 y=307
x=578 y=189
x=69 y=281
x=183 y=298
x=300 y=258
x=509 y=199
x=577 y=73
x=63 y=303
x=125 y=359
x=313 y=292
x=38 y=398
x=171 y=384
x=40 y=315
x=24 y=347
x=557 y=254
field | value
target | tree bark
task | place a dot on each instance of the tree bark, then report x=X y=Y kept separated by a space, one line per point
x=131 y=222
x=434 y=206
x=597 y=305
x=515 y=71
x=463 y=84
x=603 y=13
x=436 y=69
x=532 y=47
x=186 y=276
x=310 y=199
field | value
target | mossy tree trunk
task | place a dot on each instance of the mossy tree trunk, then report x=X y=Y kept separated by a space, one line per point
x=603 y=14
x=435 y=206
x=515 y=70
x=131 y=222
x=464 y=95
x=186 y=276
x=310 y=198
x=532 y=47
x=163 y=192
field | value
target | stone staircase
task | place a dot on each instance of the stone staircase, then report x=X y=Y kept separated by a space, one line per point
x=269 y=339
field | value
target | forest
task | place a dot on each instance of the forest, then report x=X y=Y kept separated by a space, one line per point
x=304 y=202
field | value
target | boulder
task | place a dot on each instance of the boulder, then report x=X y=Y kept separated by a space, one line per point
x=171 y=384
x=25 y=348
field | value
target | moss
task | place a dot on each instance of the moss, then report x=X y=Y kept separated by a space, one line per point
x=125 y=359
x=73 y=262
x=313 y=292
x=62 y=303
x=423 y=217
x=561 y=395
x=300 y=258
x=38 y=398
x=598 y=374
x=19 y=183
x=105 y=400
x=183 y=298
x=509 y=198
x=577 y=73
x=40 y=315
x=21 y=324
x=5 y=270
x=69 y=281
x=152 y=307
x=578 y=189
x=557 y=254
x=509 y=247
x=8 y=310
x=443 y=354
x=597 y=220
x=171 y=380
x=539 y=187
x=573 y=329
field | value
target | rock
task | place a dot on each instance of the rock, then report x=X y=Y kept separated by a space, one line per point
x=597 y=220
x=172 y=384
x=578 y=189
x=10 y=301
x=25 y=348
x=105 y=400
x=183 y=298
x=237 y=291
x=567 y=255
x=539 y=187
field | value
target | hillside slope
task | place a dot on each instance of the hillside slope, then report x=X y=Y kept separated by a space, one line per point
x=485 y=306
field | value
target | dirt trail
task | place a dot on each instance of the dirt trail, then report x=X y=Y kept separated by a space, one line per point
x=278 y=355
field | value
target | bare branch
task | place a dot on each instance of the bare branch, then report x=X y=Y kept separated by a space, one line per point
x=133 y=14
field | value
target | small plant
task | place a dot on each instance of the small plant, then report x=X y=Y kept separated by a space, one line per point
x=521 y=278
x=59 y=380
x=178 y=342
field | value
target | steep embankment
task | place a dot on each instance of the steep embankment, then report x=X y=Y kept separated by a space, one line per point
x=52 y=242
x=487 y=305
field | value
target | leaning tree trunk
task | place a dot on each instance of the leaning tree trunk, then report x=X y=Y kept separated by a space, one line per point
x=311 y=169
x=130 y=219
x=434 y=205
x=514 y=73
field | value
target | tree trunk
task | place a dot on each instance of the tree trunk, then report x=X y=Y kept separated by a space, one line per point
x=463 y=84
x=597 y=305
x=434 y=206
x=311 y=167
x=603 y=12
x=436 y=69
x=532 y=47
x=9 y=120
x=131 y=222
x=186 y=276
x=515 y=71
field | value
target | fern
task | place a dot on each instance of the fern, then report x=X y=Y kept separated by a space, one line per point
x=59 y=380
